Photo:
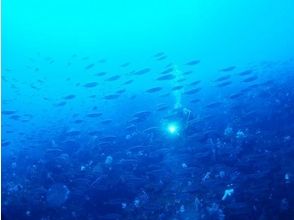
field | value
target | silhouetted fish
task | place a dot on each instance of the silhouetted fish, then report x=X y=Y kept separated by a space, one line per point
x=113 y=78
x=250 y=79
x=181 y=80
x=78 y=121
x=169 y=70
x=213 y=105
x=73 y=132
x=154 y=89
x=142 y=71
x=193 y=62
x=102 y=60
x=166 y=77
x=177 y=88
x=159 y=54
x=227 y=69
x=8 y=112
x=121 y=91
x=162 y=108
x=59 y=104
x=246 y=72
x=236 y=95
x=192 y=91
x=90 y=84
x=195 y=101
x=222 y=78
x=142 y=114
x=223 y=84
x=100 y=74
x=187 y=72
x=114 y=96
x=68 y=97
x=90 y=66
x=125 y=64
x=161 y=58
x=195 y=83
x=109 y=138
x=128 y=82
x=5 y=143
x=106 y=121
x=15 y=117
x=94 y=115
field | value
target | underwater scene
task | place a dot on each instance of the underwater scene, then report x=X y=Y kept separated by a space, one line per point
x=147 y=110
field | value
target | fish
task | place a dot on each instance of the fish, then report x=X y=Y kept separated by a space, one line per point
x=121 y=91
x=106 y=121
x=113 y=96
x=223 y=84
x=161 y=58
x=162 y=107
x=175 y=88
x=85 y=58
x=90 y=84
x=169 y=70
x=159 y=54
x=228 y=69
x=250 y=79
x=194 y=83
x=34 y=87
x=59 y=104
x=193 y=62
x=102 y=60
x=78 y=121
x=113 y=78
x=128 y=82
x=142 y=114
x=100 y=74
x=188 y=72
x=245 y=73
x=142 y=71
x=131 y=127
x=94 y=133
x=68 y=97
x=5 y=143
x=73 y=132
x=125 y=64
x=165 y=95
x=213 y=104
x=166 y=77
x=94 y=115
x=8 y=112
x=15 y=117
x=90 y=66
x=236 y=95
x=181 y=80
x=223 y=78
x=192 y=91
x=154 y=89
x=109 y=138
x=195 y=101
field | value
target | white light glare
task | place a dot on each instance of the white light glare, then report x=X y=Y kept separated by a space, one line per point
x=172 y=129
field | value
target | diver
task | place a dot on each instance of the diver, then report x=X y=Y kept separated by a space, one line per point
x=177 y=121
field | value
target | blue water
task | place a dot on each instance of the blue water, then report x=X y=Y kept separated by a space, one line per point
x=168 y=110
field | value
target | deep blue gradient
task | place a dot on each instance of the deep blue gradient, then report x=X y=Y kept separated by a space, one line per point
x=147 y=109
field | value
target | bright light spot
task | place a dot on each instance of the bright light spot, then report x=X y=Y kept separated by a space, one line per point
x=172 y=129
